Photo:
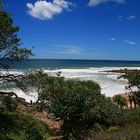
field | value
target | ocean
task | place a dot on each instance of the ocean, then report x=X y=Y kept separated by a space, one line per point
x=79 y=69
x=70 y=64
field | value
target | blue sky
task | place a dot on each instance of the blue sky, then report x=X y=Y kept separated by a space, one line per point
x=79 y=29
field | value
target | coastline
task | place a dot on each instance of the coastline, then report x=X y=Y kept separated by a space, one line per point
x=106 y=77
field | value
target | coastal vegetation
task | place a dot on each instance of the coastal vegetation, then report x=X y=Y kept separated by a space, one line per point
x=79 y=108
x=13 y=124
x=79 y=105
x=120 y=101
x=134 y=82
x=133 y=78
x=20 y=126
x=10 y=45
x=129 y=130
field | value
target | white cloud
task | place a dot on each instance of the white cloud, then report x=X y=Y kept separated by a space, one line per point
x=97 y=2
x=66 y=49
x=73 y=51
x=45 y=10
x=130 y=42
x=131 y=17
x=112 y=39
x=124 y=18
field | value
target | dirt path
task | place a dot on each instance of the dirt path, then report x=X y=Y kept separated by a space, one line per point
x=55 y=125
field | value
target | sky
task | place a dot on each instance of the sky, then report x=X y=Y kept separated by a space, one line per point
x=79 y=29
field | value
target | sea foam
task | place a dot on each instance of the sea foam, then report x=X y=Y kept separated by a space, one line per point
x=109 y=82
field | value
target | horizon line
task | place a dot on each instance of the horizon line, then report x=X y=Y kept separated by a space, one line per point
x=86 y=59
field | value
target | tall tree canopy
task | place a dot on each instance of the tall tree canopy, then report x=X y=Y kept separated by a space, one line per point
x=10 y=46
x=9 y=41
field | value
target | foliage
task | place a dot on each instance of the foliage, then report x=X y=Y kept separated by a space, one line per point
x=40 y=106
x=9 y=103
x=133 y=78
x=10 y=49
x=133 y=116
x=120 y=101
x=130 y=129
x=1 y=4
x=18 y=126
x=109 y=113
x=44 y=84
x=9 y=40
x=78 y=104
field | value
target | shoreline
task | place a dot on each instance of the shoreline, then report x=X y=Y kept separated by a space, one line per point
x=108 y=81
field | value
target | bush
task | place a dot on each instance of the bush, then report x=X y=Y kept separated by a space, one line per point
x=80 y=105
x=18 y=126
x=120 y=101
x=9 y=103
x=40 y=106
x=108 y=113
x=132 y=116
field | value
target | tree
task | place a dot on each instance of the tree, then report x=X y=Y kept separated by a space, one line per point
x=9 y=103
x=78 y=104
x=133 y=78
x=9 y=41
x=120 y=101
x=10 y=49
x=130 y=99
x=1 y=4
x=74 y=103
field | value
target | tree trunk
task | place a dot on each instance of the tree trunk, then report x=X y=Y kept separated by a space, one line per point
x=13 y=94
x=130 y=104
x=66 y=130
x=8 y=93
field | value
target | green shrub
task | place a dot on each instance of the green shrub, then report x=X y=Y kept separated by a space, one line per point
x=18 y=126
x=120 y=101
x=40 y=106
x=132 y=116
x=9 y=103
x=130 y=129
x=20 y=136
x=78 y=104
